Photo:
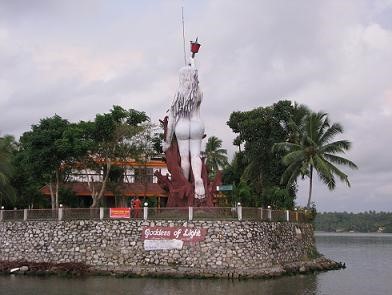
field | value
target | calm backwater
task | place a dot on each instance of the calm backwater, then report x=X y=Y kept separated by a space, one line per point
x=369 y=271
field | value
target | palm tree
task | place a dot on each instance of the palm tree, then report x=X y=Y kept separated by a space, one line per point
x=216 y=157
x=7 y=193
x=313 y=150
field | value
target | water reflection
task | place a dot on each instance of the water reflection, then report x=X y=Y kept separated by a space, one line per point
x=368 y=272
x=104 y=285
x=367 y=257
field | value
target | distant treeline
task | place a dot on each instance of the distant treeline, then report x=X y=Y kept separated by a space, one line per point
x=371 y=221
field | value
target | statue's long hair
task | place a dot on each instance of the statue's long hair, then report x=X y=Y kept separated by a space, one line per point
x=189 y=96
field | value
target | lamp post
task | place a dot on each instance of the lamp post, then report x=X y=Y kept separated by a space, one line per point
x=195 y=46
x=145 y=211
x=190 y=213
x=25 y=214
x=239 y=211
x=60 y=217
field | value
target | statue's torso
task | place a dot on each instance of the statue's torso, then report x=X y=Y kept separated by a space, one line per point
x=189 y=128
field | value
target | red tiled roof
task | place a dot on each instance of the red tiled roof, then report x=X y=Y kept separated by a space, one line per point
x=132 y=163
x=127 y=189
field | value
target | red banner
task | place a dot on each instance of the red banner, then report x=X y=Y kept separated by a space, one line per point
x=185 y=234
x=120 y=213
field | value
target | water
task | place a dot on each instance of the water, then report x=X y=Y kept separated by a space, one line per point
x=369 y=271
x=369 y=263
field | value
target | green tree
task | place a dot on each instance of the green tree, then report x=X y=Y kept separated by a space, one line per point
x=258 y=130
x=26 y=183
x=147 y=140
x=68 y=198
x=115 y=182
x=112 y=137
x=44 y=154
x=216 y=156
x=7 y=192
x=315 y=150
x=278 y=197
x=234 y=170
x=243 y=194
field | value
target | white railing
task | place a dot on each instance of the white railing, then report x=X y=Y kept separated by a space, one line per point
x=179 y=213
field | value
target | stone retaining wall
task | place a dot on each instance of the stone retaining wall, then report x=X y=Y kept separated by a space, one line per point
x=229 y=247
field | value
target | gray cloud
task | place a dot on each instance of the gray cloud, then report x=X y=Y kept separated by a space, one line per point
x=78 y=58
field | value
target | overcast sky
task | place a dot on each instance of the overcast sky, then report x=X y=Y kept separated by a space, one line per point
x=77 y=58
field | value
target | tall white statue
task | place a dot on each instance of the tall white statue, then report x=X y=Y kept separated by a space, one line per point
x=185 y=123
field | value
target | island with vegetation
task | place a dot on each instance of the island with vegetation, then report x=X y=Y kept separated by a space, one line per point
x=366 y=222
x=277 y=145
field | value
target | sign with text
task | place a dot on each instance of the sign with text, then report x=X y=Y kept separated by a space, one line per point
x=162 y=244
x=161 y=237
x=226 y=187
x=120 y=213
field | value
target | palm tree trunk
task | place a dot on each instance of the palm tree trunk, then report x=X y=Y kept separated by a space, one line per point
x=310 y=185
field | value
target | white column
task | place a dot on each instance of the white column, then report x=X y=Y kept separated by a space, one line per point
x=287 y=215
x=190 y=213
x=239 y=211
x=269 y=213
x=24 y=214
x=261 y=213
x=101 y=213
x=145 y=211
x=61 y=212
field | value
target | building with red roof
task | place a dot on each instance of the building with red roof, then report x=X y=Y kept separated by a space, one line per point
x=138 y=181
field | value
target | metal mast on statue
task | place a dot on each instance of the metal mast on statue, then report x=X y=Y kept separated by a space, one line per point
x=188 y=183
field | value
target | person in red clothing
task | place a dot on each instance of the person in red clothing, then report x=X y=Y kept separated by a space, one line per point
x=137 y=205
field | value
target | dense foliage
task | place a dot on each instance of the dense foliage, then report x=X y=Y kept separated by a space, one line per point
x=256 y=165
x=313 y=150
x=216 y=156
x=7 y=148
x=113 y=136
x=42 y=152
x=276 y=145
x=359 y=222
x=47 y=154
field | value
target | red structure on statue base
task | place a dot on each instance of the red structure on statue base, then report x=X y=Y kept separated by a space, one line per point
x=181 y=190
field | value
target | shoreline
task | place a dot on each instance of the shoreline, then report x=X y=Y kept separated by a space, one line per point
x=346 y=233
x=80 y=269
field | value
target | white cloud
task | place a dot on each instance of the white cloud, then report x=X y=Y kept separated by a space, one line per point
x=77 y=59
